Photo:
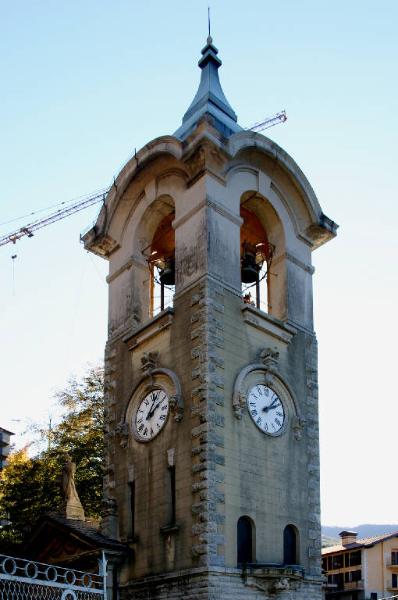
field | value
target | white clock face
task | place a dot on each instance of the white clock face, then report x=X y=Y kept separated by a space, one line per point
x=266 y=409
x=151 y=415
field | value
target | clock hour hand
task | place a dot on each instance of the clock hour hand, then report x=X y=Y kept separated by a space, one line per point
x=271 y=406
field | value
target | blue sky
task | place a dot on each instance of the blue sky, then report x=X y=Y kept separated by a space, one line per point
x=85 y=83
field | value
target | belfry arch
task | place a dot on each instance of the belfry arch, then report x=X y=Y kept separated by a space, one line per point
x=262 y=227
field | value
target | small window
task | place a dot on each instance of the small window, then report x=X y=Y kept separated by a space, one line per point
x=338 y=561
x=355 y=558
x=394 y=580
x=290 y=545
x=245 y=539
x=373 y=596
x=338 y=581
x=356 y=575
x=394 y=557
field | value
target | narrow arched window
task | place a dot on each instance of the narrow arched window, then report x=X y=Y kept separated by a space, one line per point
x=245 y=540
x=290 y=545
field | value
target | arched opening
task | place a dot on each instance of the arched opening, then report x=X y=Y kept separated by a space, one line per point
x=290 y=539
x=256 y=256
x=162 y=265
x=245 y=541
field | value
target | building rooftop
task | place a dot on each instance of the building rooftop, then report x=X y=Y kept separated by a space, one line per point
x=2 y=430
x=361 y=543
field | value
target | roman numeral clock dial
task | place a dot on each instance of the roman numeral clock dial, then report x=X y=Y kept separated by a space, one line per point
x=151 y=415
x=266 y=409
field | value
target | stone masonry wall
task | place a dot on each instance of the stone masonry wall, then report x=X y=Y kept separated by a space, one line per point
x=314 y=508
x=207 y=345
x=219 y=584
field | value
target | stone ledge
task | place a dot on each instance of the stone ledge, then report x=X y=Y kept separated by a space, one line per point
x=149 y=329
x=269 y=571
x=264 y=322
x=164 y=577
x=169 y=529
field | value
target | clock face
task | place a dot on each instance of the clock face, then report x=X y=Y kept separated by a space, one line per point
x=266 y=409
x=151 y=415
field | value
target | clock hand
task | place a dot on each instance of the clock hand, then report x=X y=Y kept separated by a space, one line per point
x=157 y=406
x=152 y=410
x=271 y=406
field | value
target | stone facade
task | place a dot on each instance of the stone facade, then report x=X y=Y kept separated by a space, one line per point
x=216 y=582
x=206 y=353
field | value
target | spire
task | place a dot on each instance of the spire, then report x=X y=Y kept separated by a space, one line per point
x=209 y=98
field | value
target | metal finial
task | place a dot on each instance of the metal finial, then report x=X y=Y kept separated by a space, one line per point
x=209 y=38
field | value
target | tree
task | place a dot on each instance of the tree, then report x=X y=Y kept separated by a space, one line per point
x=30 y=487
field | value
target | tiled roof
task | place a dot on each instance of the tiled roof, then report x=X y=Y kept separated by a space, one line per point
x=87 y=531
x=361 y=543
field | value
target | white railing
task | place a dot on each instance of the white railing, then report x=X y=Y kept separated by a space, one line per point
x=22 y=579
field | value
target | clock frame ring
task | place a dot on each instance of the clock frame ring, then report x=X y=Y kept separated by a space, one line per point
x=266 y=373
x=154 y=401
x=156 y=379
x=262 y=398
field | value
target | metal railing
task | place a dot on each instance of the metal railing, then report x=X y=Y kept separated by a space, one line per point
x=354 y=585
x=22 y=579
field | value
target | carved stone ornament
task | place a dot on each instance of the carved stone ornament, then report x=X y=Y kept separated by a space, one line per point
x=273 y=580
x=149 y=361
x=206 y=157
x=122 y=432
x=298 y=426
x=281 y=584
x=196 y=163
x=270 y=359
x=105 y=245
x=176 y=407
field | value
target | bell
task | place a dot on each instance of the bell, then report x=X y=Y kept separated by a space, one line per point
x=167 y=274
x=249 y=268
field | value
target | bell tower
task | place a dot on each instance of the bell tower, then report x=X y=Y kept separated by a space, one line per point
x=212 y=466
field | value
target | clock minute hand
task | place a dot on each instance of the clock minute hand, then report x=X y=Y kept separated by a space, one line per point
x=152 y=409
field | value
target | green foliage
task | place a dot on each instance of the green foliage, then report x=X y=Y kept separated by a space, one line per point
x=31 y=486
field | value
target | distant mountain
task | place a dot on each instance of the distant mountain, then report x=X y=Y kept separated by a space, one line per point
x=330 y=533
x=328 y=541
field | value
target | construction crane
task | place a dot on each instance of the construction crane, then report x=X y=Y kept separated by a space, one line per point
x=29 y=229
x=280 y=117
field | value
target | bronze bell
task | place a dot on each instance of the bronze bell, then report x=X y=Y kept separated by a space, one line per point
x=249 y=268
x=167 y=275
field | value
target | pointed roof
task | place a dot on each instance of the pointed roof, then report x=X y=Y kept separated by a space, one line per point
x=210 y=98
